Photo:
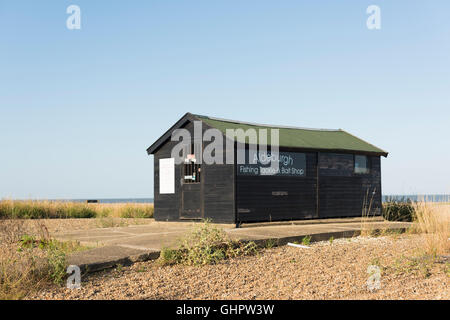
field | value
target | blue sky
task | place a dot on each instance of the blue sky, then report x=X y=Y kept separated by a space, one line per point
x=78 y=108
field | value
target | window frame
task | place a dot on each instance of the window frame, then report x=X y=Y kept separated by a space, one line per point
x=368 y=164
x=195 y=167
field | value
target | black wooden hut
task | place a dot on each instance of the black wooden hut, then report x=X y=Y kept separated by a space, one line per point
x=322 y=174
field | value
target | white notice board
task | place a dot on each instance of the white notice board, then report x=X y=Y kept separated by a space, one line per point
x=167 y=175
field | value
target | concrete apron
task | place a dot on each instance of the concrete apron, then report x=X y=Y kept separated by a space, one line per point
x=127 y=245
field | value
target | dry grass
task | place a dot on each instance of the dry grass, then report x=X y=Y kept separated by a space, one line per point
x=367 y=213
x=433 y=221
x=125 y=210
x=28 y=263
x=430 y=219
x=29 y=258
x=33 y=209
x=19 y=272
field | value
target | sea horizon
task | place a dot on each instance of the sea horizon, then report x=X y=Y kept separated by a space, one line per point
x=385 y=198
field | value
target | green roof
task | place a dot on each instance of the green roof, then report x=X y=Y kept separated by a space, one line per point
x=321 y=139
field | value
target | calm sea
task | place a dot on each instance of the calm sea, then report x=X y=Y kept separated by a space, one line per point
x=415 y=197
x=389 y=197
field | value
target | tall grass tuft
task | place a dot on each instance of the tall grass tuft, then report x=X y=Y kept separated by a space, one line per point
x=433 y=221
x=367 y=213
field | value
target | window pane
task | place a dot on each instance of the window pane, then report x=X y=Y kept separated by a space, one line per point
x=361 y=164
x=191 y=167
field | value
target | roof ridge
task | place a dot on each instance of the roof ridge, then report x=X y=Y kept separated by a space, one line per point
x=329 y=140
x=267 y=125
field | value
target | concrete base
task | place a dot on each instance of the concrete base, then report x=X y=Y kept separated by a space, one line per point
x=126 y=245
x=312 y=221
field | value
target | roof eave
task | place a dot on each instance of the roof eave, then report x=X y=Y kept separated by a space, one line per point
x=331 y=150
x=155 y=146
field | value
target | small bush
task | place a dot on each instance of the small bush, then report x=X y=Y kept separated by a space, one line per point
x=170 y=256
x=206 y=244
x=57 y=263
x=398 y=211
x=55 y=254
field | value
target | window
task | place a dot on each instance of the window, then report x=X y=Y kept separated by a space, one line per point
x=192 y=170
x=361 y=164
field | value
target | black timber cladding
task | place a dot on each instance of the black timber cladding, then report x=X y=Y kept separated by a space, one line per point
x=330 y=188
x=214 y=195
x=344 y=193
x=272 y=198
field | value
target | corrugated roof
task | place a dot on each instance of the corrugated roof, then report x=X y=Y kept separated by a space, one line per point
x=322 y=139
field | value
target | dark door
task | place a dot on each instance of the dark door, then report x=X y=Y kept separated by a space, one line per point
x=191 y=201
x=191 y=187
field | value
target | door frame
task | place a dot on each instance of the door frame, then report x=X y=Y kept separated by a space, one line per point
x=201 y=191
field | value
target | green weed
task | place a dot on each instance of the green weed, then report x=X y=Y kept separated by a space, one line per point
x=306 y=241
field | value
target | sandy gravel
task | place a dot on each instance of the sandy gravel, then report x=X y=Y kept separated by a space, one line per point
x=325 y=271
x=34 y=226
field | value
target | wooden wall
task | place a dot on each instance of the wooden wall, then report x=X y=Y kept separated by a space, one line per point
x=219 y=193
x=258 y=197
x=167 y=206
x=329 y=189
x=342 y=193
x=216 y=188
